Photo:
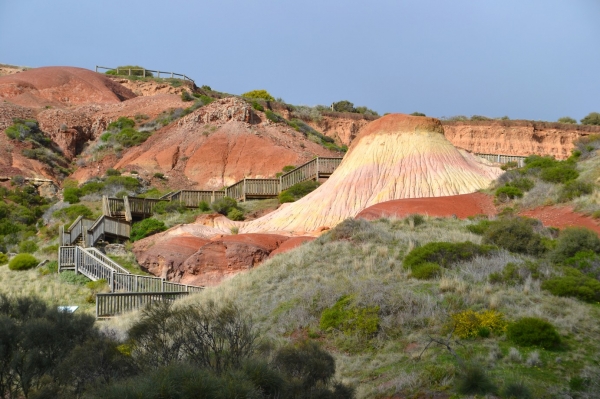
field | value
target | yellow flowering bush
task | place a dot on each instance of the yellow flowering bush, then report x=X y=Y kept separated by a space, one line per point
x=470 y=324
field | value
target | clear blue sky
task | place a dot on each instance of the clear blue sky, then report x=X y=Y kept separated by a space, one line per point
x=534 y=59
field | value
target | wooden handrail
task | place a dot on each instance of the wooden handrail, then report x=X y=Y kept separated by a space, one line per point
x=111 y=304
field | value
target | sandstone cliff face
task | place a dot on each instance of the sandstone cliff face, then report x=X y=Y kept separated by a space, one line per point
x=218 y=145
x=342 y=130
x=149 y=87
x=516 y=137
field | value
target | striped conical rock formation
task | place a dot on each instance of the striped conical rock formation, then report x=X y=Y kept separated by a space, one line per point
x=394 y=157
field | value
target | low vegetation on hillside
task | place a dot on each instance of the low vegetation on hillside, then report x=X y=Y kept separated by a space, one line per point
x=493 y=318
x=42 y=148
x=546 y=181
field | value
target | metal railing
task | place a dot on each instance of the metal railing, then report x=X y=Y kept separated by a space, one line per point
x=127 y=72
x=111 y=304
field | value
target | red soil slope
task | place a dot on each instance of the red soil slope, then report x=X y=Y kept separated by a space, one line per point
x=461 y=206
x=61 y=86
x=561 y=217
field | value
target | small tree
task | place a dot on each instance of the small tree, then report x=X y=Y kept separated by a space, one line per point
x=593 y=118
x=343 y=106
x=567 y=119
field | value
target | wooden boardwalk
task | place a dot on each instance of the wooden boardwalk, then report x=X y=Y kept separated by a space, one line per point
x=127 y=291
x=136 y=208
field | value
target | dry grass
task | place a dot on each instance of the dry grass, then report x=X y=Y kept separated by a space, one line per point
x=49 y=288
x=287 y=294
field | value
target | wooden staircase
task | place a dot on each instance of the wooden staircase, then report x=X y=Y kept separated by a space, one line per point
x=127 y=291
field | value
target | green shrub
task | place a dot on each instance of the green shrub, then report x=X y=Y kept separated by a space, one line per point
x=445 y=253
x=518 y=390
x=418 y=114
x=350 y=319
x=273 y=117
x=71 y=277
x=71 y=195
x=473 y=379
x=567 y=119
x=91 y=188
x=531 y=331
x=71 y=213
x=28 y=247
x=235 y=214
x=298 y=191
x=257 y=106
x=574 y=284
x=129 y=183
x=515 y=235
x=414 y=220
x=522 y=183
x=508 y=192
x=186 y=96
x=159 y=175
x=146 y=228
x=285 y=197
x=203 y=206
x=572 y=240
x=593 y=118
x=130 y=137
x=480 y=227
x=288 y=168
x=259 y=94
x=3 y=259
x=106 y=137
x=112 y=172
x=343 y=106
x=587 y=262
x=426 y=271
x=121 y=123
x=224 y=205
x=23 y=262
x=514 y=273
x=538 y=162
x=574 y=189
x=559 y=174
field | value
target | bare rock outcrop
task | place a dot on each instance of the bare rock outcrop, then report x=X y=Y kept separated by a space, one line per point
x=198 y=261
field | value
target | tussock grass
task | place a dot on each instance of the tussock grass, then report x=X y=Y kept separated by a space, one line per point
x=50 y=288
x=287 y=295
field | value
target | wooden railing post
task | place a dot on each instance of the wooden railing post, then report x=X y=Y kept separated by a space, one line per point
x=76 y=259
x=112 y=280
x=317 y=171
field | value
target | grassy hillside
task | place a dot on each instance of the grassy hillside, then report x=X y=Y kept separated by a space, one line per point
x=390 y=317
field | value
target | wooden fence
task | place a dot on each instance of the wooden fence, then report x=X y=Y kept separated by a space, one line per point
x=127 y=72
x=191 y=198
x=311 y=170
x=520 y=160
x=111 y=304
